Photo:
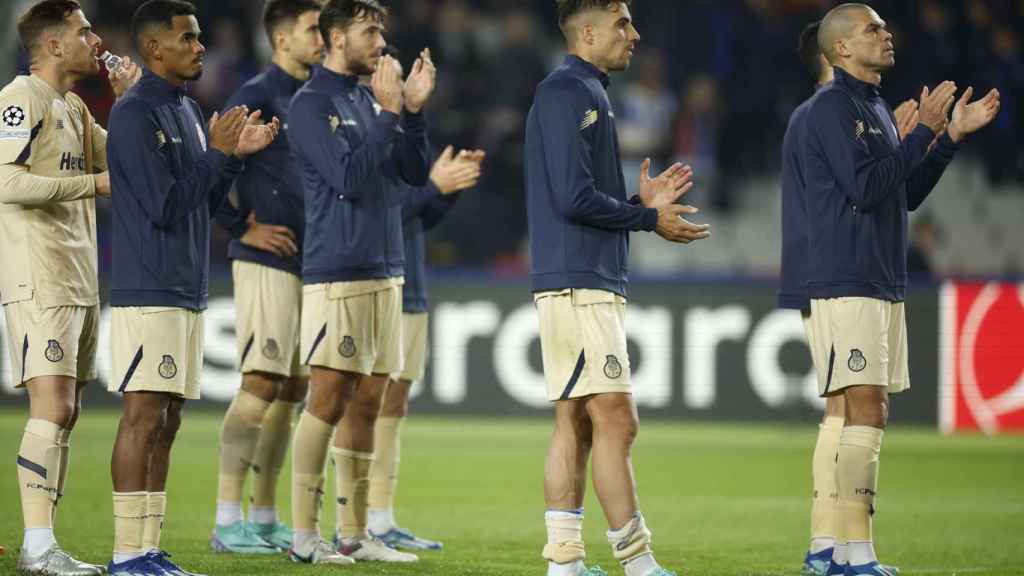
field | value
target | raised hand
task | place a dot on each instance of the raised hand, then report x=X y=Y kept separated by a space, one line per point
x=126 y=75
x=935 y=105
x=969 y=118
x=674 y=228
x=278 y=240
x=386 y=84
x=256 y=136
x=227 y=129
x=668 y=187
x=420 y=83
x=907 y=117
x=451 y=173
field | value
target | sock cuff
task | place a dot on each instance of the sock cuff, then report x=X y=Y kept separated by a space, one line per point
x=286 y=403
x=45 y=429
x=863 y=436
x=346 y=453
x=156 y=502
x=250 y=399
x=554 y=513
x=320 y=427
x=833 y=423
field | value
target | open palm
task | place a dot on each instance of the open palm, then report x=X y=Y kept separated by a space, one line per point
x=255 y=136
x=973 y=116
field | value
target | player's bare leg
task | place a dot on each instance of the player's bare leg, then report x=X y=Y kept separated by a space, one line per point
x=387 y=445
x=867 y=412
x=616 y=423
x=43 y=458
x=565 y=483
x=824 y=545
x=268 y=461
x=240 y=434
x=353 y=457
x=143 y=419
x=329 y=392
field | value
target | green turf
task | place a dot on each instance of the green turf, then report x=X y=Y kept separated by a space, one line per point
x=721 y=499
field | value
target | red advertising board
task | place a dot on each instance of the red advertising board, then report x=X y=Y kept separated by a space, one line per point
x=981 y=355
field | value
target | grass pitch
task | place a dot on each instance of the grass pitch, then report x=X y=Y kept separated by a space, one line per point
x=721 y=499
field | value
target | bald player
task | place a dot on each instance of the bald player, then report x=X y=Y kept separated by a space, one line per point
x=793 y=295
x=52 y=162
x=861 y=180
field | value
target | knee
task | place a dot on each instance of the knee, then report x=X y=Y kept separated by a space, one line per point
x=621 y=424
x=294 y=390
x=365 y=408
x=171 y=426
x=65 y=413
x=142 y=424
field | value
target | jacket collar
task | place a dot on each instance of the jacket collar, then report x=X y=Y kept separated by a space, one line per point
x=157 y=86
x=286 y=81
x=340 y=82
x=859 y=87
x=576 y=63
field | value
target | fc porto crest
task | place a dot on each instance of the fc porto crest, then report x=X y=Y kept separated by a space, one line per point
x=612 y=367
x=168 y=369
x=347 y=348
x=271 y=350
x=54 y=353
x=857 y=362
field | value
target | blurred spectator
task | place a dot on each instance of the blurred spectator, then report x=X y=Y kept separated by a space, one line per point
x=924 y=236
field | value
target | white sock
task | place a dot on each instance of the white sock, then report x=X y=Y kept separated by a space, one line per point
x=570 y=569
x=380 y=520
x=228 y=513
x=263 y=515
x=641 y=565
x=820 y=544
x=302 y=537
x=120 y=557
x=861 y=553
x=38 y=540
x=839 y=556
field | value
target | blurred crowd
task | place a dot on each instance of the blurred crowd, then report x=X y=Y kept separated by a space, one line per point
x=713 y=86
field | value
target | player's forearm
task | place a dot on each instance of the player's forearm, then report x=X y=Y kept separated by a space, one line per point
x=589 y=206
x=412 y=152
x=18 y=186
x=929 y=172
x=877 y=179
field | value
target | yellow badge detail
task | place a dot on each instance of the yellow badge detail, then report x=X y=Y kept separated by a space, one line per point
x=589 y=119
x=161 y=139
x=860 y=128
x=335 y=122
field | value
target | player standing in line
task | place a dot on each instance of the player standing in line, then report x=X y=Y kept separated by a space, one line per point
x=579 y=225
x=51 y=155
x=860 y=182
x=170 y=174
x=793 y=295
x=268 y=224
x=422 y=209
x=352 y=144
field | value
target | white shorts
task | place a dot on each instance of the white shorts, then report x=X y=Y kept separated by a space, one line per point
x=414 y=338
x=156 y=349
x=353 y=326
x=58 y=341
x=859 y=342
x=583 y=343
x=268 y=307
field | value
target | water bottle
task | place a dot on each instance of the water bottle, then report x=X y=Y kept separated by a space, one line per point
x=110 y=61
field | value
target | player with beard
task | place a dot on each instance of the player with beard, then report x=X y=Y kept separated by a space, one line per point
x=861 y=180
x=579 y=225
x=53 y=152
x=352 y=145
x=268 y=224
x=171 y=172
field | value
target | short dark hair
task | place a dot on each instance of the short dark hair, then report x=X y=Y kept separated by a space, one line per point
x=161 y=12
x=810 y=52
x=279 y=12
x=342 y=13
x=569 y=8
x=41 y=17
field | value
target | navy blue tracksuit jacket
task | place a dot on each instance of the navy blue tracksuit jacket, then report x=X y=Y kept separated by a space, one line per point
x=165 y=182
x=270 y=185
x=423 y=207
x=860 y=182
x=352 y=157
x=578 y=214
x=793 y=277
